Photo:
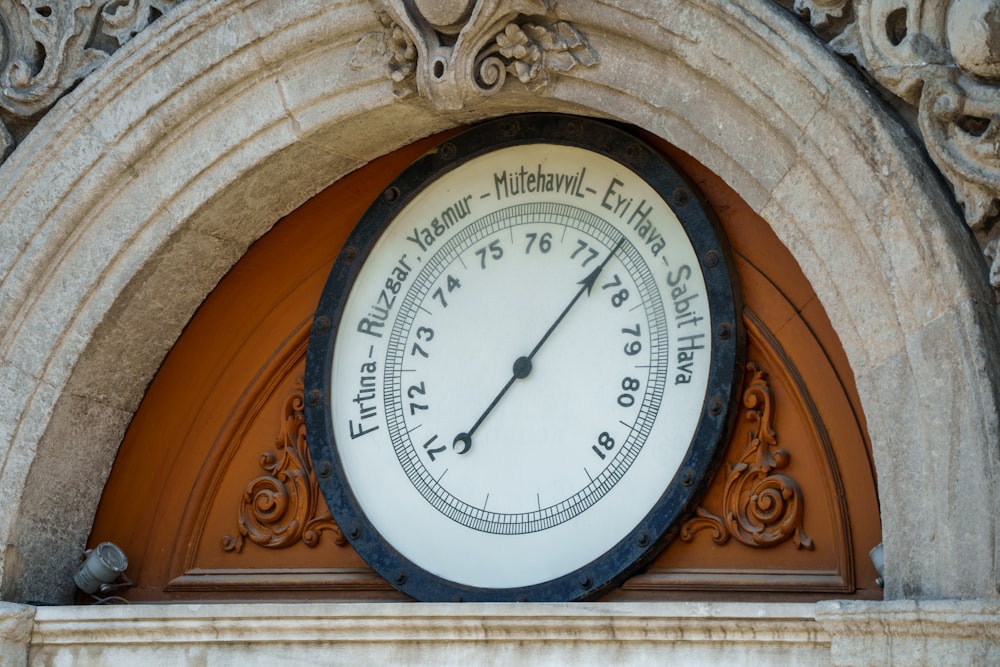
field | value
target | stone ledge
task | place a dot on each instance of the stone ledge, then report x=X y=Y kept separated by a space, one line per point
x=912 y=632
x=352 y=622
x=939 y=632
x=442 y=634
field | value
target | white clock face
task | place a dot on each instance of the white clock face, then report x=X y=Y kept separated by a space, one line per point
x=520 y=366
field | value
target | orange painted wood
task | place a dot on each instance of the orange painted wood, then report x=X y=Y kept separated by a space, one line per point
x=208 y=438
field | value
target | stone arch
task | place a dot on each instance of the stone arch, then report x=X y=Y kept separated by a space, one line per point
x=138 y=191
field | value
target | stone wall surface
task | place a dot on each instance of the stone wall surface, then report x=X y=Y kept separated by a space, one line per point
x=911 y=632
x=142 y=186
x=131 y=198
x=15 y=633
x=938 y=63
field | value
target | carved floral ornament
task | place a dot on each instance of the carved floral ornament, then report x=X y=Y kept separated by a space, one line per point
x=455 y=51
x=761 y=507
x=940 y=56
x=284 y=506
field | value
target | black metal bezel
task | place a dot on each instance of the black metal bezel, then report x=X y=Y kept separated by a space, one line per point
x=683 y=492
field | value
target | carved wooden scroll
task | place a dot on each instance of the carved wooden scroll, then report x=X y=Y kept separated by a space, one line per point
x=761 y=508
x=285 y=506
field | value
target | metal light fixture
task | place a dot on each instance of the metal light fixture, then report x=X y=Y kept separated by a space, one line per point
x=878 y=560
x=102 y=569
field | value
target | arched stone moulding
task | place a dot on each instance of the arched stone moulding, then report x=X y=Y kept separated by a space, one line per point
x=135 y=194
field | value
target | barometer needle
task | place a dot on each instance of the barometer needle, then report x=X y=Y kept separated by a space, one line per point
x=522 y=365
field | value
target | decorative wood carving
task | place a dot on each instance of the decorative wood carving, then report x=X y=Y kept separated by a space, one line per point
x=195 y=443
x=455 y=52
x=285 y=506
x=761 y=508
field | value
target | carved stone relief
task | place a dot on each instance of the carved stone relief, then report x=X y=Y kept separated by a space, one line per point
x=285 y=506
x=48 y=46
x=761 y=507
x=455 y=52
x=943 y=58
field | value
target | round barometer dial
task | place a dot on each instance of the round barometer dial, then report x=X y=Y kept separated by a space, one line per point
x=522 y=364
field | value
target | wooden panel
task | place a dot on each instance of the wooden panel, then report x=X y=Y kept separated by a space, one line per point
x=212 y=495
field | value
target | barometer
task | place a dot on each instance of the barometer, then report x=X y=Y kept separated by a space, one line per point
x=522 y=365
